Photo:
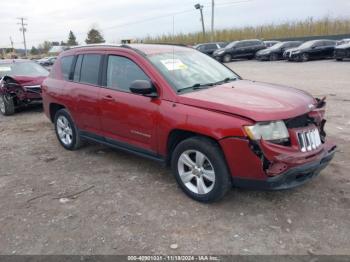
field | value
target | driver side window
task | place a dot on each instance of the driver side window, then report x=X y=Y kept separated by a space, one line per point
x=121 y=72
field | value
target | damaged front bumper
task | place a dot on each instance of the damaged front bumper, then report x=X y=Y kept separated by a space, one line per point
x=274 y=167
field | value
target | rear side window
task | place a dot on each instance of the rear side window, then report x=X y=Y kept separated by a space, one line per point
x=90 y=68
x=121 y=72
x=66 y=65
x=211 y=46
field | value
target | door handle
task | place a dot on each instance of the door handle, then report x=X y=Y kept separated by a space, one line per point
x=109 y=98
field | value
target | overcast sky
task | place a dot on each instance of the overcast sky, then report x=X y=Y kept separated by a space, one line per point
x=52 y=19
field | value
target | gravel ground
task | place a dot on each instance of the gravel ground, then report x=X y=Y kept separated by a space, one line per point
x=133 y=206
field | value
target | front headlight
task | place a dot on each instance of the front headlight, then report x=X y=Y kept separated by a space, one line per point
x=220 y=52
x=267 y=130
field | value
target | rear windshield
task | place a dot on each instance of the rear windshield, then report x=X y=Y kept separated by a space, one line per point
x=22 y=69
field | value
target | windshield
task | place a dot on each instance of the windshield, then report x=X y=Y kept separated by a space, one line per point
x=22 y=69
x=307 y=44
x=190 y=68
x=231 y=44
x=277 y=46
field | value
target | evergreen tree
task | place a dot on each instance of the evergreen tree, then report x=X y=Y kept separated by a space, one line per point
x=34 y=51
x=72 y=40
x=94 y=37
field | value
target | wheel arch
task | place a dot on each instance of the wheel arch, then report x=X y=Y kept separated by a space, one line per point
x=178 y=135
x=53 y=109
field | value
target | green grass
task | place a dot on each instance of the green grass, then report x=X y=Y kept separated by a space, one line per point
x=307 y=27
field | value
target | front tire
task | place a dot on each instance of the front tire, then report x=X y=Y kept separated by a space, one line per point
x=7 y=105
x=227 y=58
x=304 y=57
x=66 y=131
x=273 y=57
x=200 y=169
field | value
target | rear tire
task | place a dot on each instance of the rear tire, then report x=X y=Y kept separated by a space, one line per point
x=7 y=105
x=200 y=169
x=66 y=131
x=227 y=58
x=339 y=59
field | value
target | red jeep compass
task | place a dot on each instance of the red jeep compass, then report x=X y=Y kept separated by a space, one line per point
x=181 y=107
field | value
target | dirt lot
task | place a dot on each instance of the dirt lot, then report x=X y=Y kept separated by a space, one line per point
x=135 y=206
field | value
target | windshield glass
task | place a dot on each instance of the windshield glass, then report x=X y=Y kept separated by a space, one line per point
x=307 y=44
x=231 y=44
x=22 y=69
x=184 y=69
x=277 y=46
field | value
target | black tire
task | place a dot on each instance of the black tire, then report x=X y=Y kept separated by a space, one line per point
x=304 y=57
x=273 y=57
x=76 y=141
x=227 y=58
x=7 y=105
x=339 y=59
x=213 y=153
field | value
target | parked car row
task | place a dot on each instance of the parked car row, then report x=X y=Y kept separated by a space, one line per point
x=275 y=50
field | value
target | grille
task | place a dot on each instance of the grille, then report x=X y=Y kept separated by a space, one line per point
x=33 y=89
x=309 y=140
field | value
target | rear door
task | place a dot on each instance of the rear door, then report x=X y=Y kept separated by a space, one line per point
x=329 y=49
x=126 y=117
x=239 y=50
x=84 y=88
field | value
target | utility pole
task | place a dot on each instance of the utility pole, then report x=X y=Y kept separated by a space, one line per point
x=23 y=29
x=212 y=36
x=11 y=43
x=200 y=7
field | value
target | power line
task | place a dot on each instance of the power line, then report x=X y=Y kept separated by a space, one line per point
x=217 y=5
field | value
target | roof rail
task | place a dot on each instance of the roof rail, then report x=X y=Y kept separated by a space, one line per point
x=99 y=45
x=169 y=44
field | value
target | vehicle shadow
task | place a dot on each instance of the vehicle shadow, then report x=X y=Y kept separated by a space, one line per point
x=31 y=108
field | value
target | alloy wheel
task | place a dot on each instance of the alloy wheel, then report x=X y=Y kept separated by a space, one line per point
x=64 y=130
x=2 y=105
x=196 y=172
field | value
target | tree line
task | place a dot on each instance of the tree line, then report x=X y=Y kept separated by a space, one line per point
x=94 y=36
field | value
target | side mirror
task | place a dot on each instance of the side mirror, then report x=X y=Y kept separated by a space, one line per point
x=143 y=87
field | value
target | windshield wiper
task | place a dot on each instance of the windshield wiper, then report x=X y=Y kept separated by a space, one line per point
x=204 y=86
x=226 y=80
x=196 y=87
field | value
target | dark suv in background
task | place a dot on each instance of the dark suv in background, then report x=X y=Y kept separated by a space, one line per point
x=276 y=51
x=209 y=48
x=239 y=49
x=314 y=49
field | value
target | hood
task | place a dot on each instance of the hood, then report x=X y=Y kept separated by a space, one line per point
x=254 y=100
x=343 y=46
x=264 y=51
x=29 y=80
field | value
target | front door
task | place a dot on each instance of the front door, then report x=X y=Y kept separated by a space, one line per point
x=126 y=117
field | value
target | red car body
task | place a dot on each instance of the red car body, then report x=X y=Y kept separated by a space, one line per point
x=151 y=126
x=20 y=89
